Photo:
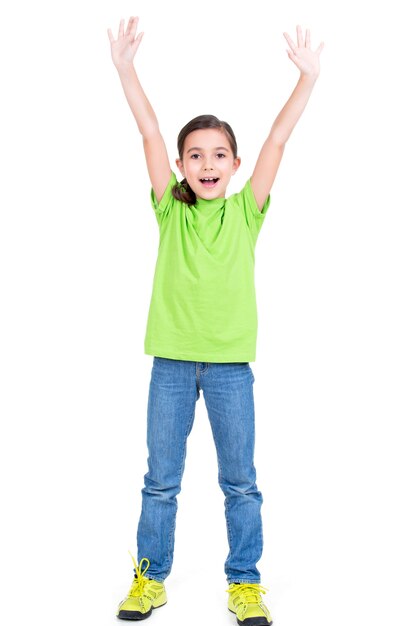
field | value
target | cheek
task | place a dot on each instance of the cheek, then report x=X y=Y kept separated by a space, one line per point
x=192 y=166
x=226 y=166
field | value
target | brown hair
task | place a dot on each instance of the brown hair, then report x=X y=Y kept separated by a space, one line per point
x=182 y=191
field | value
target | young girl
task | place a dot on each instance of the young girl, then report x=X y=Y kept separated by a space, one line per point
x=202 y=326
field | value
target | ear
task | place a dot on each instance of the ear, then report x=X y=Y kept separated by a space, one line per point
x=179 y=164
x=237 y=163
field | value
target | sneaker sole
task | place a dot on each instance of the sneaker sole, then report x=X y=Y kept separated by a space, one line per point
x=253 y=621
x=136 y=615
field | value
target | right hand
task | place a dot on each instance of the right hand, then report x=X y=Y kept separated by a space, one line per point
x=124 y=48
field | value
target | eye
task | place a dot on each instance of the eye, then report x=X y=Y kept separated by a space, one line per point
x=195 y=156
x=221 y=154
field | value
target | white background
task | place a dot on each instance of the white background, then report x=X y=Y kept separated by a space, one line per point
x=336 y=276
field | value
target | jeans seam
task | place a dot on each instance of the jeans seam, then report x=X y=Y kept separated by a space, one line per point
x=228 y=525
x=220 y=480
x=230 y=534
x=170 y=547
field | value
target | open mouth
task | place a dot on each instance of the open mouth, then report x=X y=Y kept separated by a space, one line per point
x=209 y=182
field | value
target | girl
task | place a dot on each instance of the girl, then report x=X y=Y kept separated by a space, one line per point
x=202 y=326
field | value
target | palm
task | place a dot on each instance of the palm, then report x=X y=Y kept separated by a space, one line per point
x=301 y=54
x=125 y=46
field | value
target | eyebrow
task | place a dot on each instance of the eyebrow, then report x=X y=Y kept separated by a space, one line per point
x=196 y=148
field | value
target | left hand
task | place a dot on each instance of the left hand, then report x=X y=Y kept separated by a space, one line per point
x=301 y=54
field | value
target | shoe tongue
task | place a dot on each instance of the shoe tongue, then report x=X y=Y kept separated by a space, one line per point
x=251 y=597
x=251 y=594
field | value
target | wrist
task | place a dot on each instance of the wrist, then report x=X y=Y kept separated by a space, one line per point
x=125 y=67
x=309 y=79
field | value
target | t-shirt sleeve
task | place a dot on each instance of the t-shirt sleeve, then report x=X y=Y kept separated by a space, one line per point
x=163 y=208
x=253 y=217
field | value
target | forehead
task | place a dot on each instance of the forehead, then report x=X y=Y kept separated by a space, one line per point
x=207 y=138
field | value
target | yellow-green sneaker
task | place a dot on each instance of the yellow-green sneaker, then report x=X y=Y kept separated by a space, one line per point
x=144 y=595
x=246 y=602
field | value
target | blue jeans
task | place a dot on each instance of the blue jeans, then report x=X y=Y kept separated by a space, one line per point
x=228 y=392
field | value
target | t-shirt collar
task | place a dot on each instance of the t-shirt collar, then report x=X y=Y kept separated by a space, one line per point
x=214 y=203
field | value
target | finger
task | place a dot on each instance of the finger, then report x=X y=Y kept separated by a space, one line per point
x=290 y=41
x=319 y=48
x=134 y=25
x=131 y=27
x=293 y=58
x=299 y=36
x=137 y=41
x=110 y=35
x=308 y=38
x=121 y=25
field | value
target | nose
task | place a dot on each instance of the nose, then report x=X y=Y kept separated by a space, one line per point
x=208 y=163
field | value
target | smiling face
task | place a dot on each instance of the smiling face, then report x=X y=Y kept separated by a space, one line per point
x=208 y=162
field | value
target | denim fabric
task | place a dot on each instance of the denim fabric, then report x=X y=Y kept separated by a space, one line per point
x=228 y=393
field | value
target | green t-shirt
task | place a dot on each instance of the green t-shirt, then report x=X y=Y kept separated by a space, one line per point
x=203 y=303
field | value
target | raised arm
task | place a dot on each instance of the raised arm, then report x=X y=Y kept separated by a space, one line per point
x=271 y=153
x=123 y=50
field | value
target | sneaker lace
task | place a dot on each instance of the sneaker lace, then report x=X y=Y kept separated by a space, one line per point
x=248 y=592
x=140 y=581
